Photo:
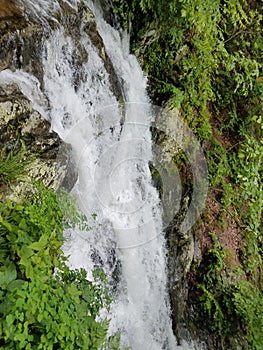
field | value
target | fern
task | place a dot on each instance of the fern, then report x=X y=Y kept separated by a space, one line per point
x=13 y=164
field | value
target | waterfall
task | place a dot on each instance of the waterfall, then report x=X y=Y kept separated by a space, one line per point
x=111 y=148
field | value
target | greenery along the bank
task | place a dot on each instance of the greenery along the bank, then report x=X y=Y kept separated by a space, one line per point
x=44 y=304
x=233 y=308
x=205 y=56
x=197 y=51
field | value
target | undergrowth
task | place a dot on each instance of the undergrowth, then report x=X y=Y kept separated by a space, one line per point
x=228 y=306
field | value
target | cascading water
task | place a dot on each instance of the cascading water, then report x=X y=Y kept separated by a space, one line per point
x=112 y=146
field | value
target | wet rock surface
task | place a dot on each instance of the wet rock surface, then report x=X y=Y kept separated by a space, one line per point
x=20 y=40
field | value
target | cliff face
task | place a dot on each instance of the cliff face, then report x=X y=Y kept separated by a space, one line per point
x=22 y=35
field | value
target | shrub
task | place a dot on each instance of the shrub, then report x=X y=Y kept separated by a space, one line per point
x=44 y=304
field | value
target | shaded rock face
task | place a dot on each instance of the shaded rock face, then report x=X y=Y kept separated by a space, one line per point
x=23 y=32
x=181 y=246
x=20 y=40
x=9 y=8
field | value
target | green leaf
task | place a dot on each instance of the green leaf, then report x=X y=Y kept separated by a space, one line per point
x=17 y=284
x=8 y=274
x=52 y=308
x=5 y=307
x=10 y=319
x=41 y=244
x=25 y=253
x=7 y=225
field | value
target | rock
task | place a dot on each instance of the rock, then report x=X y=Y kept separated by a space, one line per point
x=180 y=257
x=9 y=8
x=171 y=141
x=148 y=37
x=18 y=121
x=20 y=40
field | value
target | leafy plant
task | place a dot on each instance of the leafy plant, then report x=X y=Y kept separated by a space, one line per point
x=44 y=304
x=72 y=216
x=228 y=305
x=247 y=302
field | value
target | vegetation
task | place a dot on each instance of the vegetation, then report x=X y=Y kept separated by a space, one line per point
x=230 y=308
x=43 y=303
x=13 y=163
x=205 y=56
